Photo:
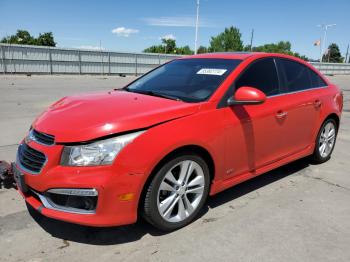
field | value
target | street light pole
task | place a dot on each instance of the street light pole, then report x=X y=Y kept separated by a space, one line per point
x=196 y=36
x=251 y=40
x=323 y=44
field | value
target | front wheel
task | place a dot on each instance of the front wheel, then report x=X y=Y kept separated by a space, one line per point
x=177 y=192
x=325 y=141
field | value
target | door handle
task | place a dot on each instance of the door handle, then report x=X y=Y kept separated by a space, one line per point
x=281 y=114
x=317 y=103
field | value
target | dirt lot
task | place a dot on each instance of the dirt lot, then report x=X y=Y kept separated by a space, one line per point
x=299 y=212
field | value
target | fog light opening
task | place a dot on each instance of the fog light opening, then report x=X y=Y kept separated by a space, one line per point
x=73 y=200
x=78 y=202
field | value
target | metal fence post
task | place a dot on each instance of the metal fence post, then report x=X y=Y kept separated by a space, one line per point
x=109 y=63
x=3 y=59
x=79 y=61
x=102 y=65
x=10 y=56
x=159 y=59
x=50 y=59
x=135 y=64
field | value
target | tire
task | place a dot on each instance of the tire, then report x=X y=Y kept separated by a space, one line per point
x=170 y=202
x=318 y=157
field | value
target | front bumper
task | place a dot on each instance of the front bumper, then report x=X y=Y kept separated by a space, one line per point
x=99 y=219
x=111 y=183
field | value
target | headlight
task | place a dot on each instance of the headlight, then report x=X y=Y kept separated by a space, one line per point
x=98 y=153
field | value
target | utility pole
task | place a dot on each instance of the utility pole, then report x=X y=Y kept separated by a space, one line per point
x=325 y=28
x=196 y=36
x=251 y=40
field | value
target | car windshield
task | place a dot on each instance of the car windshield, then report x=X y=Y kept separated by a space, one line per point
x=189 y=80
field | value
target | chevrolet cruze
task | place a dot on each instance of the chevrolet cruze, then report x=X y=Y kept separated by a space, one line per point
x=188 y=129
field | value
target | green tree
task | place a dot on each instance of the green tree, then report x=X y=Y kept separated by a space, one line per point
x=154 y=49
x=229 y=40
x=202 y=50
x=246 y=48
x=185 y=50
x=282 y=47
x=333 y=55
x=45 y=39
x=301 y=56
x=23 y=37
x=168 y=46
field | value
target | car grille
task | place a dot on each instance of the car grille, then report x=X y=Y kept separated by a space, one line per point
x=43 y=138
x=31 y=160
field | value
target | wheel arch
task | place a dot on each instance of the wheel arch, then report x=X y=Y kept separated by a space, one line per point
x=332 y=116
x=196 y=149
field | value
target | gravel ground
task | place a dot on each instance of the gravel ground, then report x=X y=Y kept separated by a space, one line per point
x=299 y=212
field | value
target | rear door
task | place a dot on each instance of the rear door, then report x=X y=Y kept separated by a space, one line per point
x=302 y=103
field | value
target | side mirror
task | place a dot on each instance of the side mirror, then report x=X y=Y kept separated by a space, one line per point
x=246 y=95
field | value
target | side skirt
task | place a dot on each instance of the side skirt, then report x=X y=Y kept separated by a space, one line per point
x=221 y=185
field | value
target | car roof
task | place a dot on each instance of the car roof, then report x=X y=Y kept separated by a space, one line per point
x=225 y=55
x=238 y=55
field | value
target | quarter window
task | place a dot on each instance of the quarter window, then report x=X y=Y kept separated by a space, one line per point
x=261 y=75
x=316 y=80
x=299 y=77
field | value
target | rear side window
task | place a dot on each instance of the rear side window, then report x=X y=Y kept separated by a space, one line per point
x=299 y=77
x=261 y=75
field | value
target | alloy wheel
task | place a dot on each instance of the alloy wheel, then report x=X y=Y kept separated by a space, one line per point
x=181 y=191
x=327 y=140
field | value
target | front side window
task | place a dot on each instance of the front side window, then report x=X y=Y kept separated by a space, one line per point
x=190 y=80
x=262 y=75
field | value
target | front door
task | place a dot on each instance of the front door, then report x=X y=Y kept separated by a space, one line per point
x=261 y=127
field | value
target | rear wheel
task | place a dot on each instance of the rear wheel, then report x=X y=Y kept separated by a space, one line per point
x=177 y=192
x=325 y=141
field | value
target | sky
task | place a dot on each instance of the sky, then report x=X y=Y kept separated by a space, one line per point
x=130 y=25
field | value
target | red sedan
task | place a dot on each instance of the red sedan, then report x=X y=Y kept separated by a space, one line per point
x=188 y=129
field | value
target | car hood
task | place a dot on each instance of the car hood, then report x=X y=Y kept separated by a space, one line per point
x=90 y=116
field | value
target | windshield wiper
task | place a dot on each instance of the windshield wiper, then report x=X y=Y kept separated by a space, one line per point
x=153 y=93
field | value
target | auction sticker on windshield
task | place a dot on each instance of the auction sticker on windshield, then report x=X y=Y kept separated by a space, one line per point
x=211 y=71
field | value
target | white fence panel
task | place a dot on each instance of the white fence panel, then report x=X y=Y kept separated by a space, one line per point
x=24 y=59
